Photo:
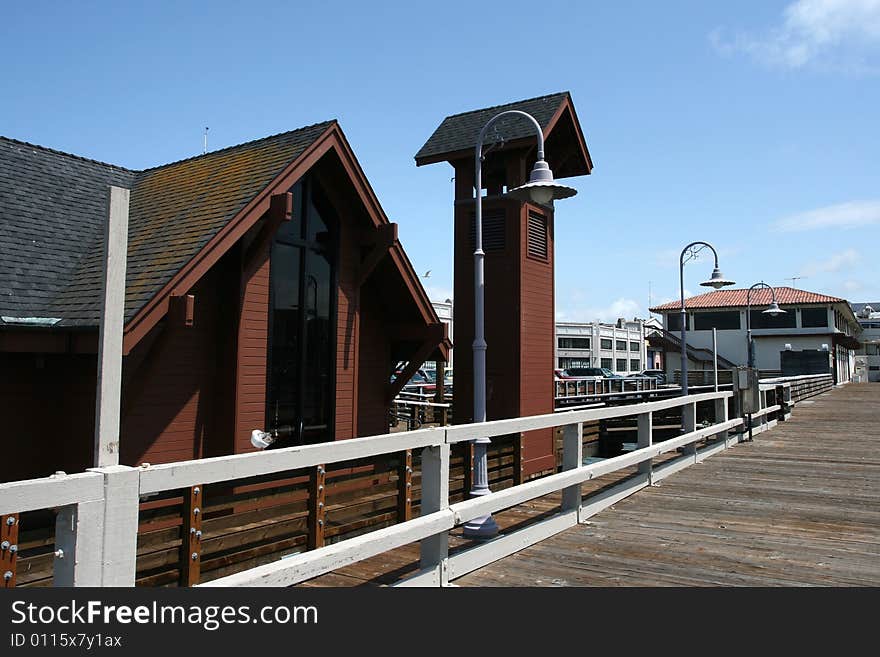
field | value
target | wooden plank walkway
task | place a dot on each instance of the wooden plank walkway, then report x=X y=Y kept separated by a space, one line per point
x=799 y=506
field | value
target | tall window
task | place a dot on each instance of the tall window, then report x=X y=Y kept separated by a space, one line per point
x=621 y=365
x=633 y=346
x=302 y=298
x=606 y=363
x=634 y=364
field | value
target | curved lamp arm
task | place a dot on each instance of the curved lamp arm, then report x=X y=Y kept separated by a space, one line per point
x=691 y=246
x=762 y=284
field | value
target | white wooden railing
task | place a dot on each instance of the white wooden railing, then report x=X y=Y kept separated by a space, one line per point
x=97 y=521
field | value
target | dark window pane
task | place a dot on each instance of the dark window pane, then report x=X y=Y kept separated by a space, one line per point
x=574 y=343
x=621 y=345
x=634 y=365
x=621 y=364
x=674 y=320
x=814 y=317
x=759 y=320
x=722 y=320
x=606 y=363
x=633 y=346
x=606 y=344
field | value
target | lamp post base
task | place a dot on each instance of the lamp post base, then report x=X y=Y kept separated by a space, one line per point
x=482 y=528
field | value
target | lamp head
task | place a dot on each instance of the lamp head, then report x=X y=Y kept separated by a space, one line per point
x=774 y=309
x=717 y=280
x=541 y=188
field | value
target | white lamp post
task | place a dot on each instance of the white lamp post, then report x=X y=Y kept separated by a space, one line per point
x=773 y=310
x=717 y=281
x=541 y=189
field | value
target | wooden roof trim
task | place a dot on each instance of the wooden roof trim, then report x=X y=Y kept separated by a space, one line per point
x=582 y=142
x=331 y=139
x=147 y=317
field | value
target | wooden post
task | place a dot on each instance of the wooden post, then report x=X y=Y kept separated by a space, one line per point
x=404 y=487
x=572 y=457
x=120 y=517
x=191 y=544
x=721 y=416
x=645 y=439
x=8 y=549
x=109 y=394
x=435 y=496
x=79 y=542
x=688 y=425
x=440 y=393
x=316 y=508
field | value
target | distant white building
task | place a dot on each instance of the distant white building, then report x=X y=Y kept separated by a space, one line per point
x=618 y=347
x=817 y=331
x=868 y=315
x=445 y=313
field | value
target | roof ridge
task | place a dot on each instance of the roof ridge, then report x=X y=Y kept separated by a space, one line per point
x=327 y=122
x=515 y=102
x=66 y=154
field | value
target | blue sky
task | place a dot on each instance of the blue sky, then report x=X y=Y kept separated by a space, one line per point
x=753 y=125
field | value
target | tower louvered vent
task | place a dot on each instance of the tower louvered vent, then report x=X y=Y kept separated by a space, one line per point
x=494 y=237
x=537 y=236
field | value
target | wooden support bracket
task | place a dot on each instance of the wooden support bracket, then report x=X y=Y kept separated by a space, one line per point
x=8 y=550
x=382 y=239
x=280 y=209
x=191 y=544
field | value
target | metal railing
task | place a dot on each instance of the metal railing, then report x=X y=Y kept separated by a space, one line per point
x=97 y=523
x=594 y=386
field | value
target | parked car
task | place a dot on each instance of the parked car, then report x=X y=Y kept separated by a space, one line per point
x=604 y=372
x=660 y=375
x=561 y=375
x=420 y=382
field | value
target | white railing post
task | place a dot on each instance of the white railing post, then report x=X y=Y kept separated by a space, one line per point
x=120 y=524
x=79 y=529
x=721 y=416
x=645 y=439
x=688 y=425
x=435 y=497
x=572 y=457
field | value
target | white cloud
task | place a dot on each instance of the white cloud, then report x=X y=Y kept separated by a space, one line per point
x=843 y=215
x=828 y=34
x=837 y=262
x=627 y=308
x=853 y=286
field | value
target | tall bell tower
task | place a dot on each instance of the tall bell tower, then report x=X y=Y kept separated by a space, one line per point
x=518 y=238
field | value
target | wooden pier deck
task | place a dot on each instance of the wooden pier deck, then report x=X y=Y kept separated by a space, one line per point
x=798 y=506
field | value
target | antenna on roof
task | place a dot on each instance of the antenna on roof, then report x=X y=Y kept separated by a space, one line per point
x=794 y=278
x=206 y=140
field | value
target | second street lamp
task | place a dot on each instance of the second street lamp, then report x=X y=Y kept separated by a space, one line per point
x=773 y=310
x=541 y=189
x=717 y=281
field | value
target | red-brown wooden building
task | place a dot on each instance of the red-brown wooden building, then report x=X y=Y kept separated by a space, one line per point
x=265 y=289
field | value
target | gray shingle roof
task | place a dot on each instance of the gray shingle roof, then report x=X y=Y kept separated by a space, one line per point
x=52 y=208
x=460 y=131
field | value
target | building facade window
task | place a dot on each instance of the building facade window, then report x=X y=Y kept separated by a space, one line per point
x=634 y=346
x=606 y=363
x=621 y=345
x=605 y=343
x=621 y=365
x=760 y=320
x=814 y=317
x=574 y=343
x=724 y=320
x=634 y=365
x=673 y=321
